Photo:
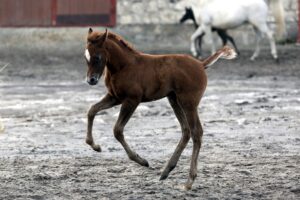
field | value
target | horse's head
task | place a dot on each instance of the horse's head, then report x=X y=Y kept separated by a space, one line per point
x=189 y=14
x=95 y=55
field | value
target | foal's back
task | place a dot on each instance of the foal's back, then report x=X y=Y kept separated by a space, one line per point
x=176 y=73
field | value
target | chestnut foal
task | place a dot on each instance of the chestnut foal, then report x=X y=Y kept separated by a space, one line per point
x=132 y=77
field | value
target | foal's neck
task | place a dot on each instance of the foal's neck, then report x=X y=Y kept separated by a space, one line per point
x=119 y=56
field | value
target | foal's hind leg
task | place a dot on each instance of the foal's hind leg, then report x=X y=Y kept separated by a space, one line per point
x=184 y=138
x=224 y=36
x=107 y=102
x=196 y=133
x=127 y=109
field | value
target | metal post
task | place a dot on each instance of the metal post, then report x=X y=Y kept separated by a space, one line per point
x=53 y=12
x=298 y=40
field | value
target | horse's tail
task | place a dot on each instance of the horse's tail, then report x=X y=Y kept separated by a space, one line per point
x=279 y=15
x=225 y=53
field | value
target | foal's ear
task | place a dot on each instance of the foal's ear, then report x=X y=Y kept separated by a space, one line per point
x=105 y=35
x=90 y=30
x=103 y=38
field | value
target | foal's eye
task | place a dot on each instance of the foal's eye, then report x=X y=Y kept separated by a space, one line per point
x=96 y=60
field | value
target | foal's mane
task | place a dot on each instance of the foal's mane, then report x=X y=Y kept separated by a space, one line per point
x=118 y=39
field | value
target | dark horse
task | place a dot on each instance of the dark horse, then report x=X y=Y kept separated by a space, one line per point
x=189 y=14
x=132 y=77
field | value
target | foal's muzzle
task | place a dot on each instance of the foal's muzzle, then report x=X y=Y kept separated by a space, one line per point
x=93 y=80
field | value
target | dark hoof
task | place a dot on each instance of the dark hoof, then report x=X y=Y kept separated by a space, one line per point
x=140 y=160
x=277 y=61
x=163 y=177
x=144 y=163
x=97 y=148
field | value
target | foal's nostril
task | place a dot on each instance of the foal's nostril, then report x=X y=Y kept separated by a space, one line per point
x=92 y=81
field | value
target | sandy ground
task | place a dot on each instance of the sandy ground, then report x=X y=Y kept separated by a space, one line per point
x=251 y=144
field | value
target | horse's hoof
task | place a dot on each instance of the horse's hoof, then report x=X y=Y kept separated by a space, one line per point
x=194 y=52
x=277 y=60
x=97 y=148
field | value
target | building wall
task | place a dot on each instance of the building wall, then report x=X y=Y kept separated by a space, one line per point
x=164 y=12
x=155 y=14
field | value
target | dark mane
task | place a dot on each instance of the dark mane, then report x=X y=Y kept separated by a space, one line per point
x=118 y=39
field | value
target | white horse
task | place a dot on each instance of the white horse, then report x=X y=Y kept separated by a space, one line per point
x=229 y=14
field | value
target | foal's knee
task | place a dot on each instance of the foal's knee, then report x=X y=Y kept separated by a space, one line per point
x=91 y=113
x=197 y=136
x=118 y=132
x=186 y=135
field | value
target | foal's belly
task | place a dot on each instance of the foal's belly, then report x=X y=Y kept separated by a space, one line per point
x=153 y=97
x=155 y=94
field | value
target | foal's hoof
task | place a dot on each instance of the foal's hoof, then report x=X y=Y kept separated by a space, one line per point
x=144 y=162
x=140 y=160
x=277 y=61
x=97 y=148
x=184 y=187
x=163 y=177
x=187 y=187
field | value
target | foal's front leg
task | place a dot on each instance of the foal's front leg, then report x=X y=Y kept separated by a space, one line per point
x=107 y=102
x=127 y=109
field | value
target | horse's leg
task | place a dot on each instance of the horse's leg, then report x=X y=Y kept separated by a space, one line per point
x=225 y=37
x=199 y=46
x=222 y=35
x=195 y=35
x=107 y=102
x=196 y=133
x=264 y=29
x=210 y=39
x=233 y=43
x=257 y=48
x=184 y=138
x=127 y=109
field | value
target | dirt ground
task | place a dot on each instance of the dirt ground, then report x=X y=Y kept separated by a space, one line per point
x=251 y=144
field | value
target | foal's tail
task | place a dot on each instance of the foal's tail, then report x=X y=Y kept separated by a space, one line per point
x=279 y=15
x=226 y=53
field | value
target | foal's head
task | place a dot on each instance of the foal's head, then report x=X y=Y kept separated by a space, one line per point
x=95 y=55
x=189 y=14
